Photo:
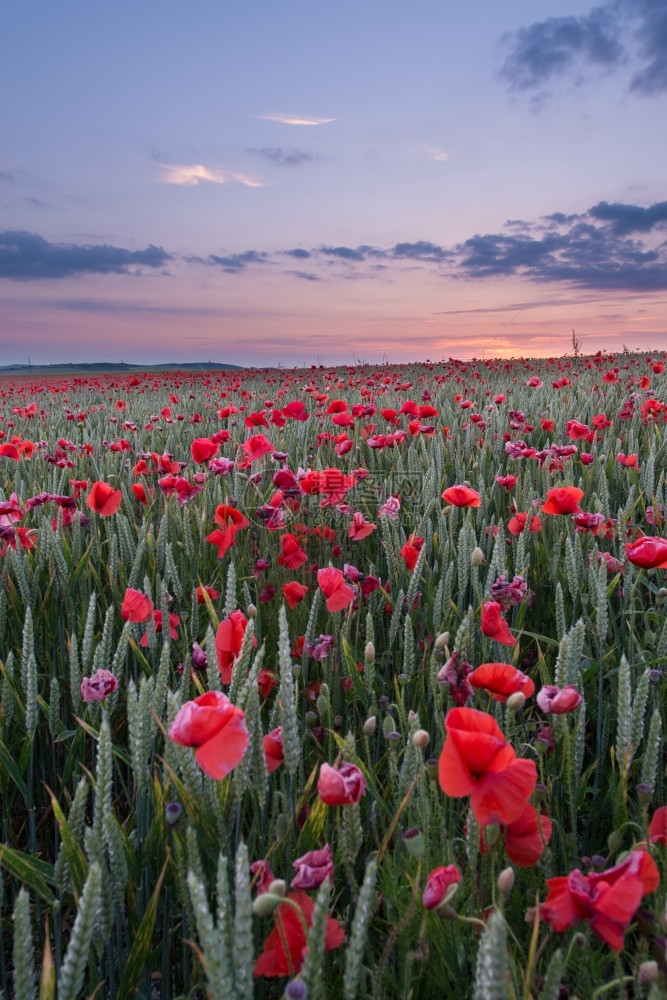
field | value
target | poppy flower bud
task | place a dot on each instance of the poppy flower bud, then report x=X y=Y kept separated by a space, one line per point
x=650 y=637
x=506 y=881
x=172 y=812
x=282 y=826
x=370 y=725
x=432 y=768
x=477 y=557
x=421 y=739
x=442 y=641
x=369 y=652
x=388 y=725
x=296 y=990
x=264 y=905
x=394 y=739
x=322 y=704
x=516 y=701
x=491 y=834
x=648 y=972
x=312 y=719
x=644 y=793
x=413 y=841
x=402 y=679
x=278 y=887
x=251 y=611
x=447 y=510
x=614 y=840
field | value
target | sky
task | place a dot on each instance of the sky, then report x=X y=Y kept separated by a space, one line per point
x=298 y=183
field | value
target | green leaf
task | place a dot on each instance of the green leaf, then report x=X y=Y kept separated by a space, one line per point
x=8 y=764
x=31 y=871
x=141 y=946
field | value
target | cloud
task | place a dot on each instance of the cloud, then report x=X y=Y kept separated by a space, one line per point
x=652 y=36
x=553 y=47
x=438 y=155
x=5 y=176
x=630 y=218
x=344 y=253
x=285 y=157
x=296 y=120
x=305 y=275
x=238 y=261
x=546 y=50
x=421 y=250
x=298 y=253
x=25 y=256
x=588 y=251
x=197 y=173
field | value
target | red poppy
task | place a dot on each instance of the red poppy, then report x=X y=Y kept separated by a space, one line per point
x=231 y=520
x=136 y=606
x=337 y=592
x=212 y=593
x=285 y=947
x=648 y=552
x=104 y=499
x=477 y=760
x=563 y=500
x=495 y=626
x=157 y=618
x=437 y=885
x=218 y=730
x=410 y=551
x=228 y=642
x=516 y=524
x=203 y=449
x=342 y=785
x=254 y=448
x=501 y=680
x=313 y=868
x=360 y=527
x=294 y=592
x=273 y=749
x=577 y=431
x=9 y=451
x=291 y=554
x=548 y=425
x=558 y=701
x=462 y=496
x=507 y=482
x=140 y=494
x=608 y=900
x=526 y=837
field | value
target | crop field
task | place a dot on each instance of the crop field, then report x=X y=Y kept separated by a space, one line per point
x=335 y=683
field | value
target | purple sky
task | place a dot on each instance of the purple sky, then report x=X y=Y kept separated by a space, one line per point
x=304 y=182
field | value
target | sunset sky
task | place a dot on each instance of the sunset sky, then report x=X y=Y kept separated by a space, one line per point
x=311 y=182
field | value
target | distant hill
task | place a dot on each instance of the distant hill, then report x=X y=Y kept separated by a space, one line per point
x=87 y=368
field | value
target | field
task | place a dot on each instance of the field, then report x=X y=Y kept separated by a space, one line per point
x=335 y=683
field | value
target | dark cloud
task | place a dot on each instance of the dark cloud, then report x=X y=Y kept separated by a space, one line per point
x=652 y=36
x=604 y=38
x=298 y=253
x=630 y=218
x=27 y=255
x=285 y=157
x=421 y=250
x=550 y=48
x=594 y=251
x=4 y=176
x=305 y=275
x=238 y=261
x=345 y=253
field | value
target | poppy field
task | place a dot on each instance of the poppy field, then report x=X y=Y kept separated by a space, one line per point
x=335 y=682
